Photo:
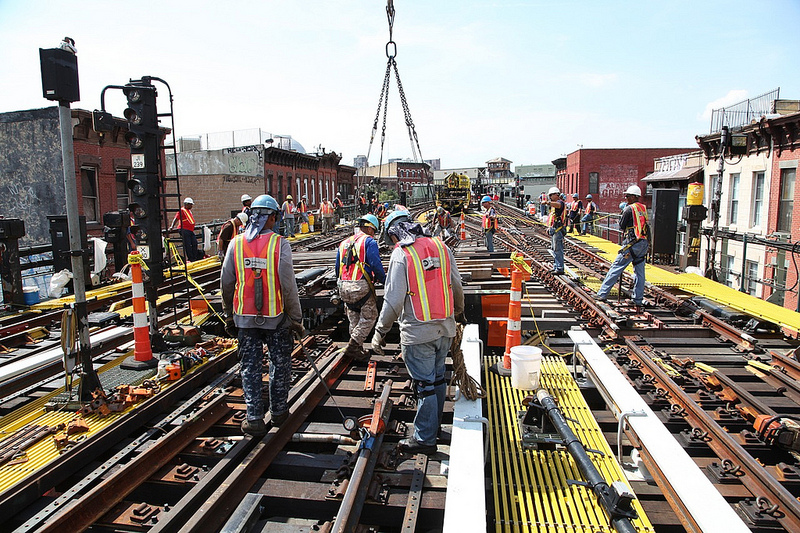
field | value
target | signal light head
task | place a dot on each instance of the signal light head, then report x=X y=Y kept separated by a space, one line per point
x=138 y=188
x=134 y=140
x=132 y=116
x=134 y=95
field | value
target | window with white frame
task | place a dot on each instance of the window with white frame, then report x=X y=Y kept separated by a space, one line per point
x=752 y=277
x=786 y=199
x=730 y=277
x=123 y=193
x=758 y=198
x=733 y=206
x=89 y=193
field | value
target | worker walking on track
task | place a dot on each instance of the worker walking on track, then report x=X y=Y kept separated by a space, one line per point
x=423 y=294
x=489 y=222
x=228 y=231
x=574 y=215
x=259 y=295
x=358 y=267
x=184 y=220
x=556 y=227
x=287 y=212
x=443 y=223
x=326 y=210
x=635 y=243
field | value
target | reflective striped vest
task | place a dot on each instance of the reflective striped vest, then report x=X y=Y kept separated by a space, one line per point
x=639 y=212
x=186 y=219
x=428 y=270
x=257 y=262
x=591 y=207
x=573 y=206
x=352 y=251
x=326 y=208
x=490 y=219
x=557 y=221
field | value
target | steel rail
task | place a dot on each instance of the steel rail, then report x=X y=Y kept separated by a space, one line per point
x=755 y=476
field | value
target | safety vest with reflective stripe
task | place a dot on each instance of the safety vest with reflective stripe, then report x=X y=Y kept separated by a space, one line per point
x=531 y=208
x=348 y=269
x=428 y=271
x=591 y=207
x=326 y=208
x=639 y=212
x=490 y=222
x=574 y=205
x=557 y=221
x=186 y=219
x=444 y=219
x=257 y=262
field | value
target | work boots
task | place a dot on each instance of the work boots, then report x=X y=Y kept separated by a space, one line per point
x=256 y=428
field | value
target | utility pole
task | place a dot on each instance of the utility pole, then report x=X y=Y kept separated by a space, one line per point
x=724 y=139
x=60 y=83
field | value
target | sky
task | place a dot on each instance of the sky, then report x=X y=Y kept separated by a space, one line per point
x=530 y=81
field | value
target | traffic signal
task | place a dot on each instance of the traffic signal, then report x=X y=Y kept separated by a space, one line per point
x=143 y=138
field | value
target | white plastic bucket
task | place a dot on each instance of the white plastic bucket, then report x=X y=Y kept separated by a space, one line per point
x=526 y=362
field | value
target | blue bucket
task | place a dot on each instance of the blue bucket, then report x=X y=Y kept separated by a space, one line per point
x=31 y=295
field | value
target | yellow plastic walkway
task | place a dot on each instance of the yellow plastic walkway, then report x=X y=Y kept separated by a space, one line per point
x=700 y=286
x=531 y=490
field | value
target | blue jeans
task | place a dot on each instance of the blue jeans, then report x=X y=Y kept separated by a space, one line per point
x=557 y=243
x=588 y=223
x=288 y=227
x=488 y=237
x=425 y=363
x=635 y=254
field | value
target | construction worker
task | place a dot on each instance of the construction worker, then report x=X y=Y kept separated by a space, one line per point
x=338 y=205
x=327 y=212
x=228 y=231
x=590 y=213
x=382 y=210
x=574 y=214
x=358 y=267
x=443 y=222
x=259 y=295
x=184 y=219
x=489 y=222
x=530 y=208
x=246 y=201
x=302 y=209
x=635 y=242
x=556 y=227
x=544 y=204
x=362 y=205
x=423 y=294
x=287 y=211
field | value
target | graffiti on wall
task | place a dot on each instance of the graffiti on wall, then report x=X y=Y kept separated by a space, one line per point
x=21 y=199
x=242 y=179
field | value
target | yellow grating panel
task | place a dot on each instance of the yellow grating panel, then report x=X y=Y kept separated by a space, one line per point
x=44 y=451
x=531 y=490
x=112 y=290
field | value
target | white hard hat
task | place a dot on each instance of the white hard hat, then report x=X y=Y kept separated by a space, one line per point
x=242 y=217
x=188 y=200
x=246 y=197
x=553 y=190
x=634 y=190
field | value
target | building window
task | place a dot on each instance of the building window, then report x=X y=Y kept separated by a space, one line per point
x=786 y=200
x=758 y=197
x=594 y=183
x=733 y=207
x=280 y=187
x=269 y=183
x=730 y=280
x=89 y=193
x=752 y=277
x=123 y=193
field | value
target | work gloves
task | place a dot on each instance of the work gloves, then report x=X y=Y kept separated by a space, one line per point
x=230 y=328
x=378 y=342
x=461 y=319
x=297 y=329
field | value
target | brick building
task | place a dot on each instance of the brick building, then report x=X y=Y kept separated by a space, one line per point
x=31 y=175
x=216 y=179
x=399 y=175
x=759 y=199
x=607 y=172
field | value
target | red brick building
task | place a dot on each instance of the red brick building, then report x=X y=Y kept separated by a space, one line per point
x=607 y=172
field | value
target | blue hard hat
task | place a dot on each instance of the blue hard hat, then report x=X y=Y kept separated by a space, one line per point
x=486 y=199
x=386 y=205
x=369 y=220
x=265 y=202
x=394 y=216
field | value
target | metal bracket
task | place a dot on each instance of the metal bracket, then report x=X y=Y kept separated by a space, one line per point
x=623 y=417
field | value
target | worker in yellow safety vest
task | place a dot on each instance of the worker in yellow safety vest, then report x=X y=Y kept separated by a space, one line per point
x=423 y=294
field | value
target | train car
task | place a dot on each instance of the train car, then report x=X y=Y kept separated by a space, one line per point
x=454 y=195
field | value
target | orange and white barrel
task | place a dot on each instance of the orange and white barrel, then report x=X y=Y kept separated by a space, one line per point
x=463 y=228
x=514 y=325
x=142 y=351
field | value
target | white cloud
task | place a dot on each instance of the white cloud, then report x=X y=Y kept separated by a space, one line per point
x=733 y=97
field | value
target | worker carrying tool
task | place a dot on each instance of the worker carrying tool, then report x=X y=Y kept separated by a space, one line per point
x=635 y=243
x=228 y=231
x=556 y=227
x=259 y=295
x=423 y=294
x=488 y=222
x=443 y=223
x=358 y=267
